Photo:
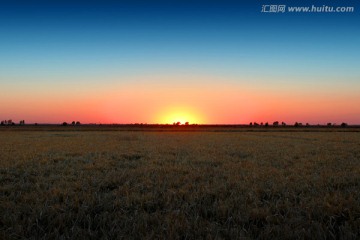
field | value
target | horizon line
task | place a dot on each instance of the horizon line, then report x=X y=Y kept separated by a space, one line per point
x=299 y=124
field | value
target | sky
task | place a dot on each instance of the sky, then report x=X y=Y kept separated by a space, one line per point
x=205 y=62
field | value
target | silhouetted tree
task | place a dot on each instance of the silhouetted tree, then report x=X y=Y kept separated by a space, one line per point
x=256 y=124
x=22 y=122
x=296 y=124
x=276 y=123
x=250 y=124
x=261 y=123
x=266 y=124
x=187 y=123
x=2 y=123
x=307 y=124
x=36 y=124
x=78 y=123
x=344 y=124
x=73 y=123
x=329 y=124
x=178 y=123
x=283 y=123
x=64 y=124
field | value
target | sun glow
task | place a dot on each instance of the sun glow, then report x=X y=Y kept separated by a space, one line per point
x=180 y=115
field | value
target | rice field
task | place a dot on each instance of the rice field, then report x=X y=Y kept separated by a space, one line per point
x=97 y=184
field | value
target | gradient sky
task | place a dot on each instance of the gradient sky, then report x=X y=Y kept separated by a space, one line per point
x=220 y=62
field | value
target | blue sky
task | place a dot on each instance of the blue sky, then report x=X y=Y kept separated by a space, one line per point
x=75 y=41
x=121 y=35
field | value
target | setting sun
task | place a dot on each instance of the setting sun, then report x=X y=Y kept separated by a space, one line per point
x=181 y=115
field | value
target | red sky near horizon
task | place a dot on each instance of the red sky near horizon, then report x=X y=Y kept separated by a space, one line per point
x=198 y=99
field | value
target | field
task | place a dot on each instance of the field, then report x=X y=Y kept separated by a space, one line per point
x=103 y=183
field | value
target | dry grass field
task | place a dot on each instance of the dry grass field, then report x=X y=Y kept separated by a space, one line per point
x=63 y=184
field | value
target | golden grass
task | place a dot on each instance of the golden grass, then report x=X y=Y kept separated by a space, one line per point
x=179 y=185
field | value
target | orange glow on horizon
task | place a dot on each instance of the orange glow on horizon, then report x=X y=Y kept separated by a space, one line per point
x=168 y=99
x=180 y=114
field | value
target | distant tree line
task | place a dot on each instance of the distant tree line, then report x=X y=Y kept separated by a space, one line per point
x=296 y=124
x=11 y=122
x=77 y=123
x=179 y=123
x=266 y=124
